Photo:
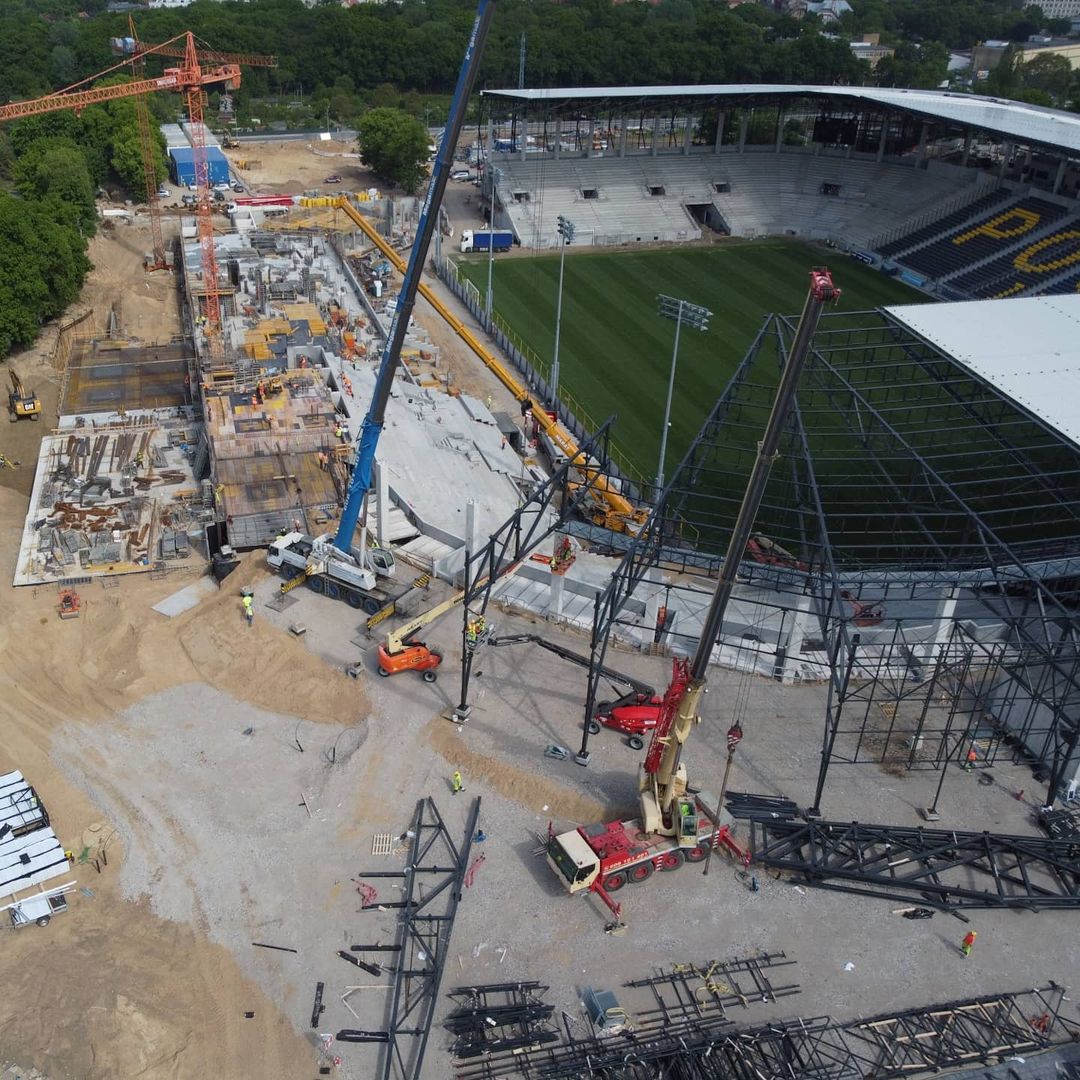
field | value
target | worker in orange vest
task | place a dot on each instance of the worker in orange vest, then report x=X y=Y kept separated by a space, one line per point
x=967 y=943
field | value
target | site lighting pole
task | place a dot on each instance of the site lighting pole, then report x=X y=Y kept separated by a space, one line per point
x=495 y=178
x=565 y=229
x=696 y=317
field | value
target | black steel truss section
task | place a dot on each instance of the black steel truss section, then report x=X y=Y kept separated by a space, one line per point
x=931 y=567
x=943 y=868
x=434 y=878
x=548 y=509
x=910 y=1043
x=695 y=992
x=499 y=1017
x=963 y=1033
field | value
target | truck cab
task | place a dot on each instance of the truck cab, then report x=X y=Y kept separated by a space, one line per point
x=39 y=908
x=572 y=860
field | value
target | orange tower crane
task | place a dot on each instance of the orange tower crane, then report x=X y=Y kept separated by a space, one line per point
x=188 y=78
x=136 y=53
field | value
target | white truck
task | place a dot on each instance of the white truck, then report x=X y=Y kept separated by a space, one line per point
x=349 y=576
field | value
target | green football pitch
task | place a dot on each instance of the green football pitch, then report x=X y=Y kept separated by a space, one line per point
x=615 y=350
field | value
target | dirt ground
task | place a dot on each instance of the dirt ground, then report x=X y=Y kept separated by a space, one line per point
x=233 y=778
x=292 y=166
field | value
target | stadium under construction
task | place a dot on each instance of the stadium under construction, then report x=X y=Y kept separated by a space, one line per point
x=917 y=551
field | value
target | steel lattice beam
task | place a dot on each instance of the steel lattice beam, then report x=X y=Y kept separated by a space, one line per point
x=940 y=867
x=916 y=1041
x=434 y=878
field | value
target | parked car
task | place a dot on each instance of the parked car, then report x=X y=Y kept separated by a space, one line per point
x=335 y=179
x=163 y=192
x=223 y=187
x=460 y=174
x=238 y=187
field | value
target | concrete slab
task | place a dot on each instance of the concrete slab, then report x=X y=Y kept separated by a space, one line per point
x=186 y=598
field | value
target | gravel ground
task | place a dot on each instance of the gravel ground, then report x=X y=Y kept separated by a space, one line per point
x=215 y=832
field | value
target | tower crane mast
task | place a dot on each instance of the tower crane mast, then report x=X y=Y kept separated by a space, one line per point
x=137 y=53
x=189 y=78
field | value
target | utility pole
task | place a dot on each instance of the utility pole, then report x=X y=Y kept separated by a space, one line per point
x=697 y=317
x=566 y=237
x=521 y=63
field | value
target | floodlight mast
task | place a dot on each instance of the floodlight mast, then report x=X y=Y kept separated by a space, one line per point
x=372 y=427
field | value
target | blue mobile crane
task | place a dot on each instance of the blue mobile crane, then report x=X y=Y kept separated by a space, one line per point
x=360 y=481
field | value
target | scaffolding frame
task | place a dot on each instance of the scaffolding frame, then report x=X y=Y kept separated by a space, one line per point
x=911 y=579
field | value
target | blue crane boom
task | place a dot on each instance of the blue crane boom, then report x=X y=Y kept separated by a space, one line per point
x=372 y=426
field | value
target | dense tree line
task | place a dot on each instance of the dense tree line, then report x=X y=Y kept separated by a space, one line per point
x=417 y=44
x=343 y=60
x=51 y=167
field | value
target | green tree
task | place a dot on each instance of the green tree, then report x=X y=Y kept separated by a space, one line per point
x=920 y=67
x=54 y=171
x=42 y=266
x=394 y=145
x=1049 y=73
x=1005 y=79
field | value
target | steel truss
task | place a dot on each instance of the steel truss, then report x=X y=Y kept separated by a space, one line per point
x=923 y=1040
x=932 y=529
x=499 y=1016
x=943 y=868
x=434 y=878
x=546 y=510
x=699 y=992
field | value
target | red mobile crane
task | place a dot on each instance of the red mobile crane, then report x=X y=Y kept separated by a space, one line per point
x=675 y=825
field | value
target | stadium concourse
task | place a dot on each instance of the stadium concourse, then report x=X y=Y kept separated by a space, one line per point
x=960 y=195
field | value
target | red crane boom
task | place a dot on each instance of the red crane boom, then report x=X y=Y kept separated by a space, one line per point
x=190 y=78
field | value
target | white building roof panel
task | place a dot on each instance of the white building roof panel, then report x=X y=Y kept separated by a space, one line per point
x=1028 y=348
x=1013 y=119
x=30 y=859
x=20 y=807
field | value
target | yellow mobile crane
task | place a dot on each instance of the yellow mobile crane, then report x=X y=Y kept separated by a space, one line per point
x=22 y=404
x=610 y=508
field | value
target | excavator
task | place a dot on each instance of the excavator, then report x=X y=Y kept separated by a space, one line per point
x=676 y=823
x=22 y=404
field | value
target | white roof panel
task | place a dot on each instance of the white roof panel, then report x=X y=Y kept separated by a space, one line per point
x=20 y=807
x=1026 y=123
x=30 y=859
x=1028 y=348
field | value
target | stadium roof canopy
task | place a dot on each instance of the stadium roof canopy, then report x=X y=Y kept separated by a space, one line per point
x=1028 y=348
x=1028 y=124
